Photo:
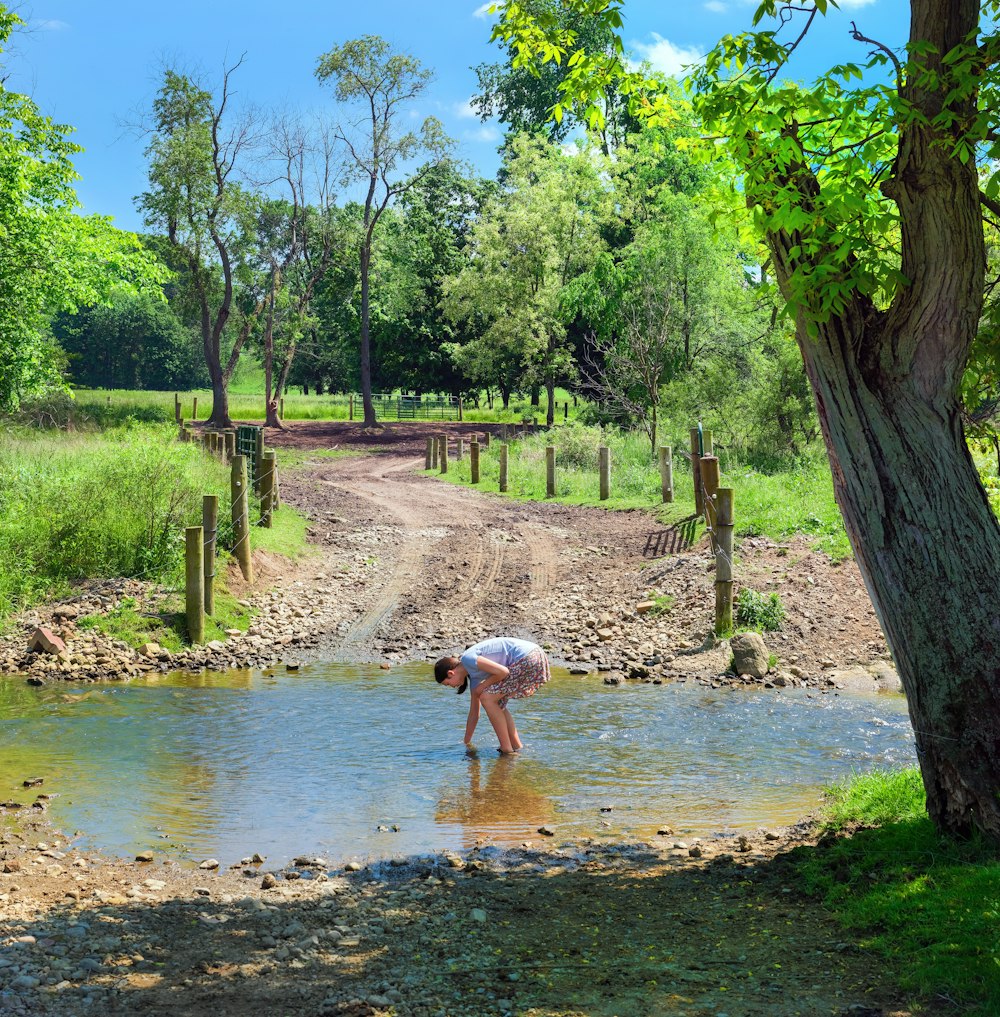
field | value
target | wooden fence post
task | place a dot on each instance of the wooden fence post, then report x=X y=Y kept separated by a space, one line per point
x=241 y=516
x=266 y=489
x=443 y=452
x=724 y=521
x=194 y=590
x=434 y=452
x=460 y=415
x=503 y=468
x=430 y=454
x=210 y=526
x=486 y=439
x=194 y=409
x=177 y=407
x=699 y=501
x=230 y=445
x=474 y=460
x=604 y=466
x=550 y=471
x=459 y=448
x=710 y=483
x=503 y=432
x=350 y=406
x=666 y=473
x=281 y=407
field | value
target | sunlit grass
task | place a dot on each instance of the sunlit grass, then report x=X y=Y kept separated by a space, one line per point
x=926 y=908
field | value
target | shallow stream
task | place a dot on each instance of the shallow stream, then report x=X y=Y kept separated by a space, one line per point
x=316 y=762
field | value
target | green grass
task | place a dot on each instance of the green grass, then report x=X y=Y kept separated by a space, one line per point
x=778 y=506
x=758 y=612
x=108 y=407
x=925 y=907
x=167 y=626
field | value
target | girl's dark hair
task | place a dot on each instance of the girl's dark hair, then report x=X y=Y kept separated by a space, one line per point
x=443 y=666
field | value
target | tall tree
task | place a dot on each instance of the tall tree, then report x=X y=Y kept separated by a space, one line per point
x=523 y=100
x=531 y=240
x=381 y=85
x=869 y=200
x=196 y=200
x=51 y=258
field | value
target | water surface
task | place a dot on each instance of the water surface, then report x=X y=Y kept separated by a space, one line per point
x=224 y=765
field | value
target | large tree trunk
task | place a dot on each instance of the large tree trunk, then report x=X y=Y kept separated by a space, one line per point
x=928 y=547
x=886 y=386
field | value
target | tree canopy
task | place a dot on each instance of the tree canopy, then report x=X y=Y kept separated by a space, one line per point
x=51 y=258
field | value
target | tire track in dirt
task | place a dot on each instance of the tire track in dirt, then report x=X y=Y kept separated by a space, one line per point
x=543 y=564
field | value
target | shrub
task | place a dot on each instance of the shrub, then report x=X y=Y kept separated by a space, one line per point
x=761 y=612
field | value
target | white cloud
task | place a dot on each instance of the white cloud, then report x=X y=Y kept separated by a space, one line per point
x=483 y=11
x=855 y=3
x=484 y=133
x=49 y=24
x=465 y=110
x=716 y=7
x=665 y=56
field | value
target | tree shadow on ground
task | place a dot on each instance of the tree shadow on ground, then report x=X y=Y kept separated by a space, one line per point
x=632 y=932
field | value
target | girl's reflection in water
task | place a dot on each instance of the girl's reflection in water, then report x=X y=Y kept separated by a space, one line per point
x=502 y=802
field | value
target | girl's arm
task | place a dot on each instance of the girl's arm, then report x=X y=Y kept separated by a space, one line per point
x=497 y=672
x=470 y=724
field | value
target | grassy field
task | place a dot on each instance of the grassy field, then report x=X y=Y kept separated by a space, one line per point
x=927 y=908
x=776 y=506
x=105 y=407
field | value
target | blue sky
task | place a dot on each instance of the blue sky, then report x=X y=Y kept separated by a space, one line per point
x=97 y=65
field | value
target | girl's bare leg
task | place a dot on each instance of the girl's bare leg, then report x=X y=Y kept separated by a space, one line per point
x=515 y=739
x=492 y=706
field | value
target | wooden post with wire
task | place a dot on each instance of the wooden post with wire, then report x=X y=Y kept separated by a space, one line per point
x=604 y=467
x=459 y=448
x=194 y=587
x=429 y=454
x=241 y=516
x=710 y=484
x=474 y=460
x=666 y=473
x=725 y=523
x=486 y=439
x=696 y=452
x=434 y=452
x=210 y=526
x=503 y=432
x=266 y=489
x=550 y=471
x=503 y=468
x=443 y=452
x=230 y=445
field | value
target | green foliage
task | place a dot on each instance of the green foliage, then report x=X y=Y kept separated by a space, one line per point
x=924 y=906
x=529 y=242
x=133 y=342
x=96 y=506
x=51 y=259
x=663 y=603
x=759 y=612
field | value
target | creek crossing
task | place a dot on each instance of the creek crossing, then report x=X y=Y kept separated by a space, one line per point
x=349 y=761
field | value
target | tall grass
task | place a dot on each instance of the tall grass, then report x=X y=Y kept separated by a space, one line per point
x=96 y=505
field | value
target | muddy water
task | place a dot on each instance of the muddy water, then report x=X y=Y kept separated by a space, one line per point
x=316 y=762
